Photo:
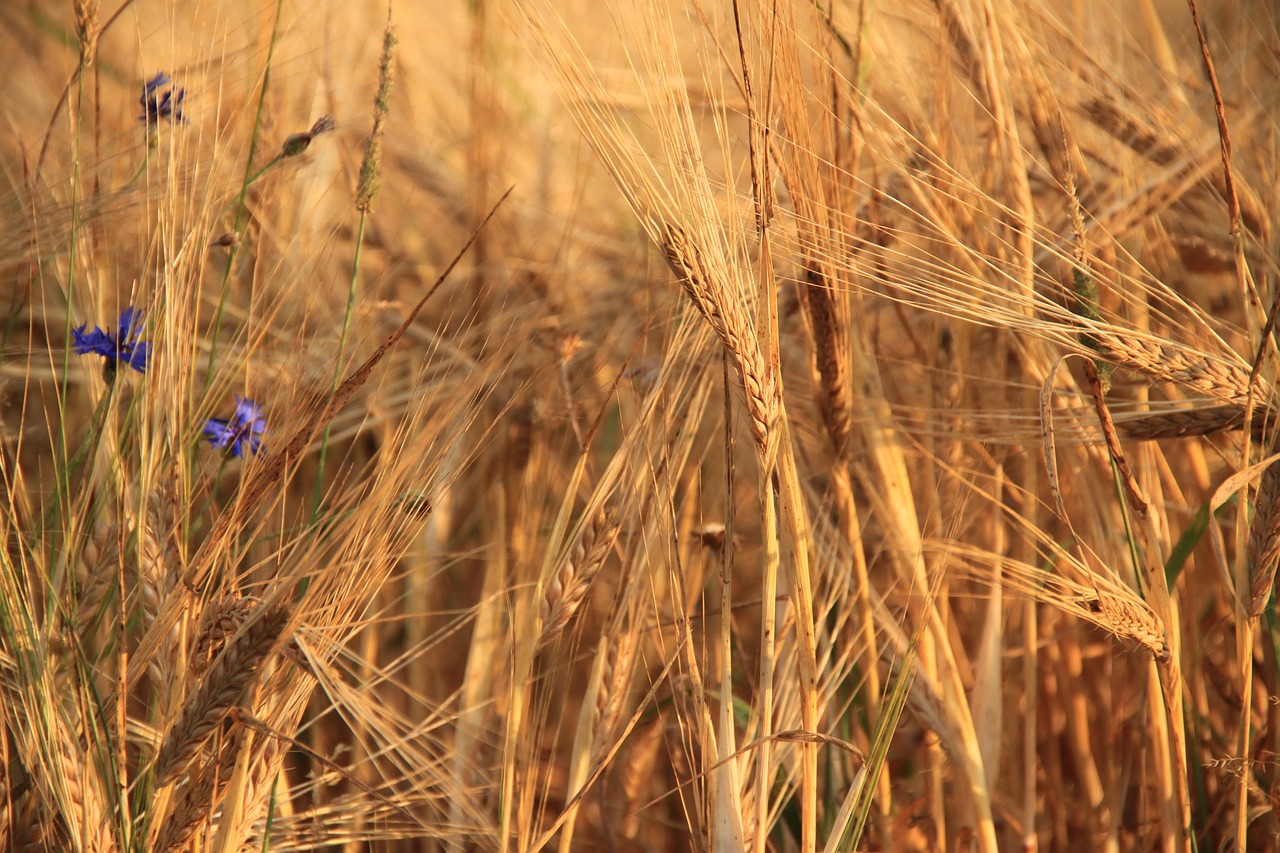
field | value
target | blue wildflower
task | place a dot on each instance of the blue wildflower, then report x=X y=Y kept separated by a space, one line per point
x=122 y=346
x=239 y=431
x=156 y=106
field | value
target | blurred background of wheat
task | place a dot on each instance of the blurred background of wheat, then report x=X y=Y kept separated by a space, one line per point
x=944 y=329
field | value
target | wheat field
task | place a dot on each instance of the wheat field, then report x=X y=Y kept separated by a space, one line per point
x=539 y=425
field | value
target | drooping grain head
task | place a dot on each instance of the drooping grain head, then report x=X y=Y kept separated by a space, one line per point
x=239 y=664
x=722 y=308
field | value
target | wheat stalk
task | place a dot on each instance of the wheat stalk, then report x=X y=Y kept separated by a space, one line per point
x=619 y=663
x=81 y=800
x=88 y=29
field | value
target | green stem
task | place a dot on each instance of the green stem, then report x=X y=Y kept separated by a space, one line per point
x=61 y=468
x=249 y=178
x=337 y=365
x=271 y=164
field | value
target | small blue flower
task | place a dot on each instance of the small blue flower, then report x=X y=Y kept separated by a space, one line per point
x=156 y=106
x=239 y=431
x=122 y=346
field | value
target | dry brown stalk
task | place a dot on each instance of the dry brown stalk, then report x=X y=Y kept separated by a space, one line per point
x=1133 y=492
x=570 y=583
x=725 y=313
x=229 y=676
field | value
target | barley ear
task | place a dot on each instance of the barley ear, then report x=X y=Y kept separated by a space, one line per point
x=1169 y=362
x=88 y=29
x=1130 y=618
x=196 y=799
x=572 y=580
x=230 y=675
x=1205 y=420
x=371 y=165
x=722 y=309
x=1263 y=552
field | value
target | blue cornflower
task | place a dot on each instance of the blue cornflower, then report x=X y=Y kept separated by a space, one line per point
x=239 y=431
x=122 y=346
x=156 y=106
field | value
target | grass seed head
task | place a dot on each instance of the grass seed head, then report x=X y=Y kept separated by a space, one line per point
x=371 y=165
